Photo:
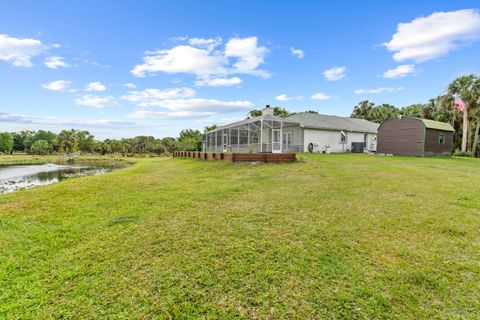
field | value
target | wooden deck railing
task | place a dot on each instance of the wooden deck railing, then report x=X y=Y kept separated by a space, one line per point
x=237 y=156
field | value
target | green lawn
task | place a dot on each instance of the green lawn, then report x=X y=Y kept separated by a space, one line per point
x=333 y=236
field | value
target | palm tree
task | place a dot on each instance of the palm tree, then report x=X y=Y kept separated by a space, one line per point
x=475 y=111
x=467 y=87
x=363 y=110
x=383 y=112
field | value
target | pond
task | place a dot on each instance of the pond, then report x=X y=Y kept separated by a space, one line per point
x=26 y=176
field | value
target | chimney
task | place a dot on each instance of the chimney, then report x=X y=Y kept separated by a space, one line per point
x=267 y=110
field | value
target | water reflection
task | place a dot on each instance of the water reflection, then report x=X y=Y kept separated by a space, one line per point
x=16 y=177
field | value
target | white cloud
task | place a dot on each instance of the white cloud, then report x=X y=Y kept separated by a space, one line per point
x=426 y=38
x=400 y=71
x=95 y=86
x=55 y=62
x=192 y=108
x=208 y=43
x=170 y=115
x=249 y=55
x=19 y=51
x=130 y=85
x=149 y=97
x=335 y=73
x=320 y=96
x=97 y=101
x=240 y=56
x=61 y=122
x=213 y=106
x=58 y=85
x=219 y=82
x=283 y=97
x=297 y=53
x=181 y=59
x=181 y=103
x=378 y=90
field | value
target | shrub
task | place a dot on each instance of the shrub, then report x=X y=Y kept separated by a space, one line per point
x=459 y=153
x=40 y=147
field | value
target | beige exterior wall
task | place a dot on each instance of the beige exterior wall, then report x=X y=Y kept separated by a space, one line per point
x=330 y=140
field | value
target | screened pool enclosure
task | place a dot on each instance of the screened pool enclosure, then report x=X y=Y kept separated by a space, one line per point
x=266 y=133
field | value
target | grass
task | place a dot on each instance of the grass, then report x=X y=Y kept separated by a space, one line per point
x=333 y=236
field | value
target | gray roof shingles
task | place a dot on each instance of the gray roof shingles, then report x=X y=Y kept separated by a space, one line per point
x=320 y=121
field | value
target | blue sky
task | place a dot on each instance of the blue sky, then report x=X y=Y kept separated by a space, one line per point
x=125 y=68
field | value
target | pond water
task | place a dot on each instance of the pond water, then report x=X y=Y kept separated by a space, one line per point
x=25 y=176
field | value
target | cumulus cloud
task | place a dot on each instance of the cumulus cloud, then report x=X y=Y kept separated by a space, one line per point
x=283 y=97
x=95 y=86
x=400 y=71
x=58 y=85
x=181 y=103
x=212 y=106
x=98 y=102
x=204 y=59
x=61 y=122
x=248 y=54
x=202 y=42
x=181 y=59
x=169 y=115
x=426 y=38
x=149 y=97
x=219 y=82
x=320 y=96
x=192 y=108
x=19 y=51
x=378 y=90
x=335 y=73
x=130 y=85
x=55 y=62
x=297 y=53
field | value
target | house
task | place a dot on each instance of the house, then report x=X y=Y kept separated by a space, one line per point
x=324 y=133
x=410 y=136
x=300 y=132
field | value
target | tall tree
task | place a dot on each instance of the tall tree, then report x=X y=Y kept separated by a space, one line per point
x=383 y=112
x=363 y=110
x=467 y=87
x=67 y=141
x=41 y=147
x=414 y=110
x=210 y=128
x=169 y=144
x=6 y=142
x=277 y=111
x=190 y=139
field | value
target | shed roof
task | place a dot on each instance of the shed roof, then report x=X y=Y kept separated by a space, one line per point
x=432 y=124
x=321 y=121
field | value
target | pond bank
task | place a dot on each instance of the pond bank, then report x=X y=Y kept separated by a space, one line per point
x=15 y=177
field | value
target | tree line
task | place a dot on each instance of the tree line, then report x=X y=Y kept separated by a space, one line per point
x=441 y=108
x=43 y=142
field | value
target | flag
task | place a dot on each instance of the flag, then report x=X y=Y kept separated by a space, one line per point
x=459 y=103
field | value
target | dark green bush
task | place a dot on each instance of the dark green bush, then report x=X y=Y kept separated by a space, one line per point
x=459 y=153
